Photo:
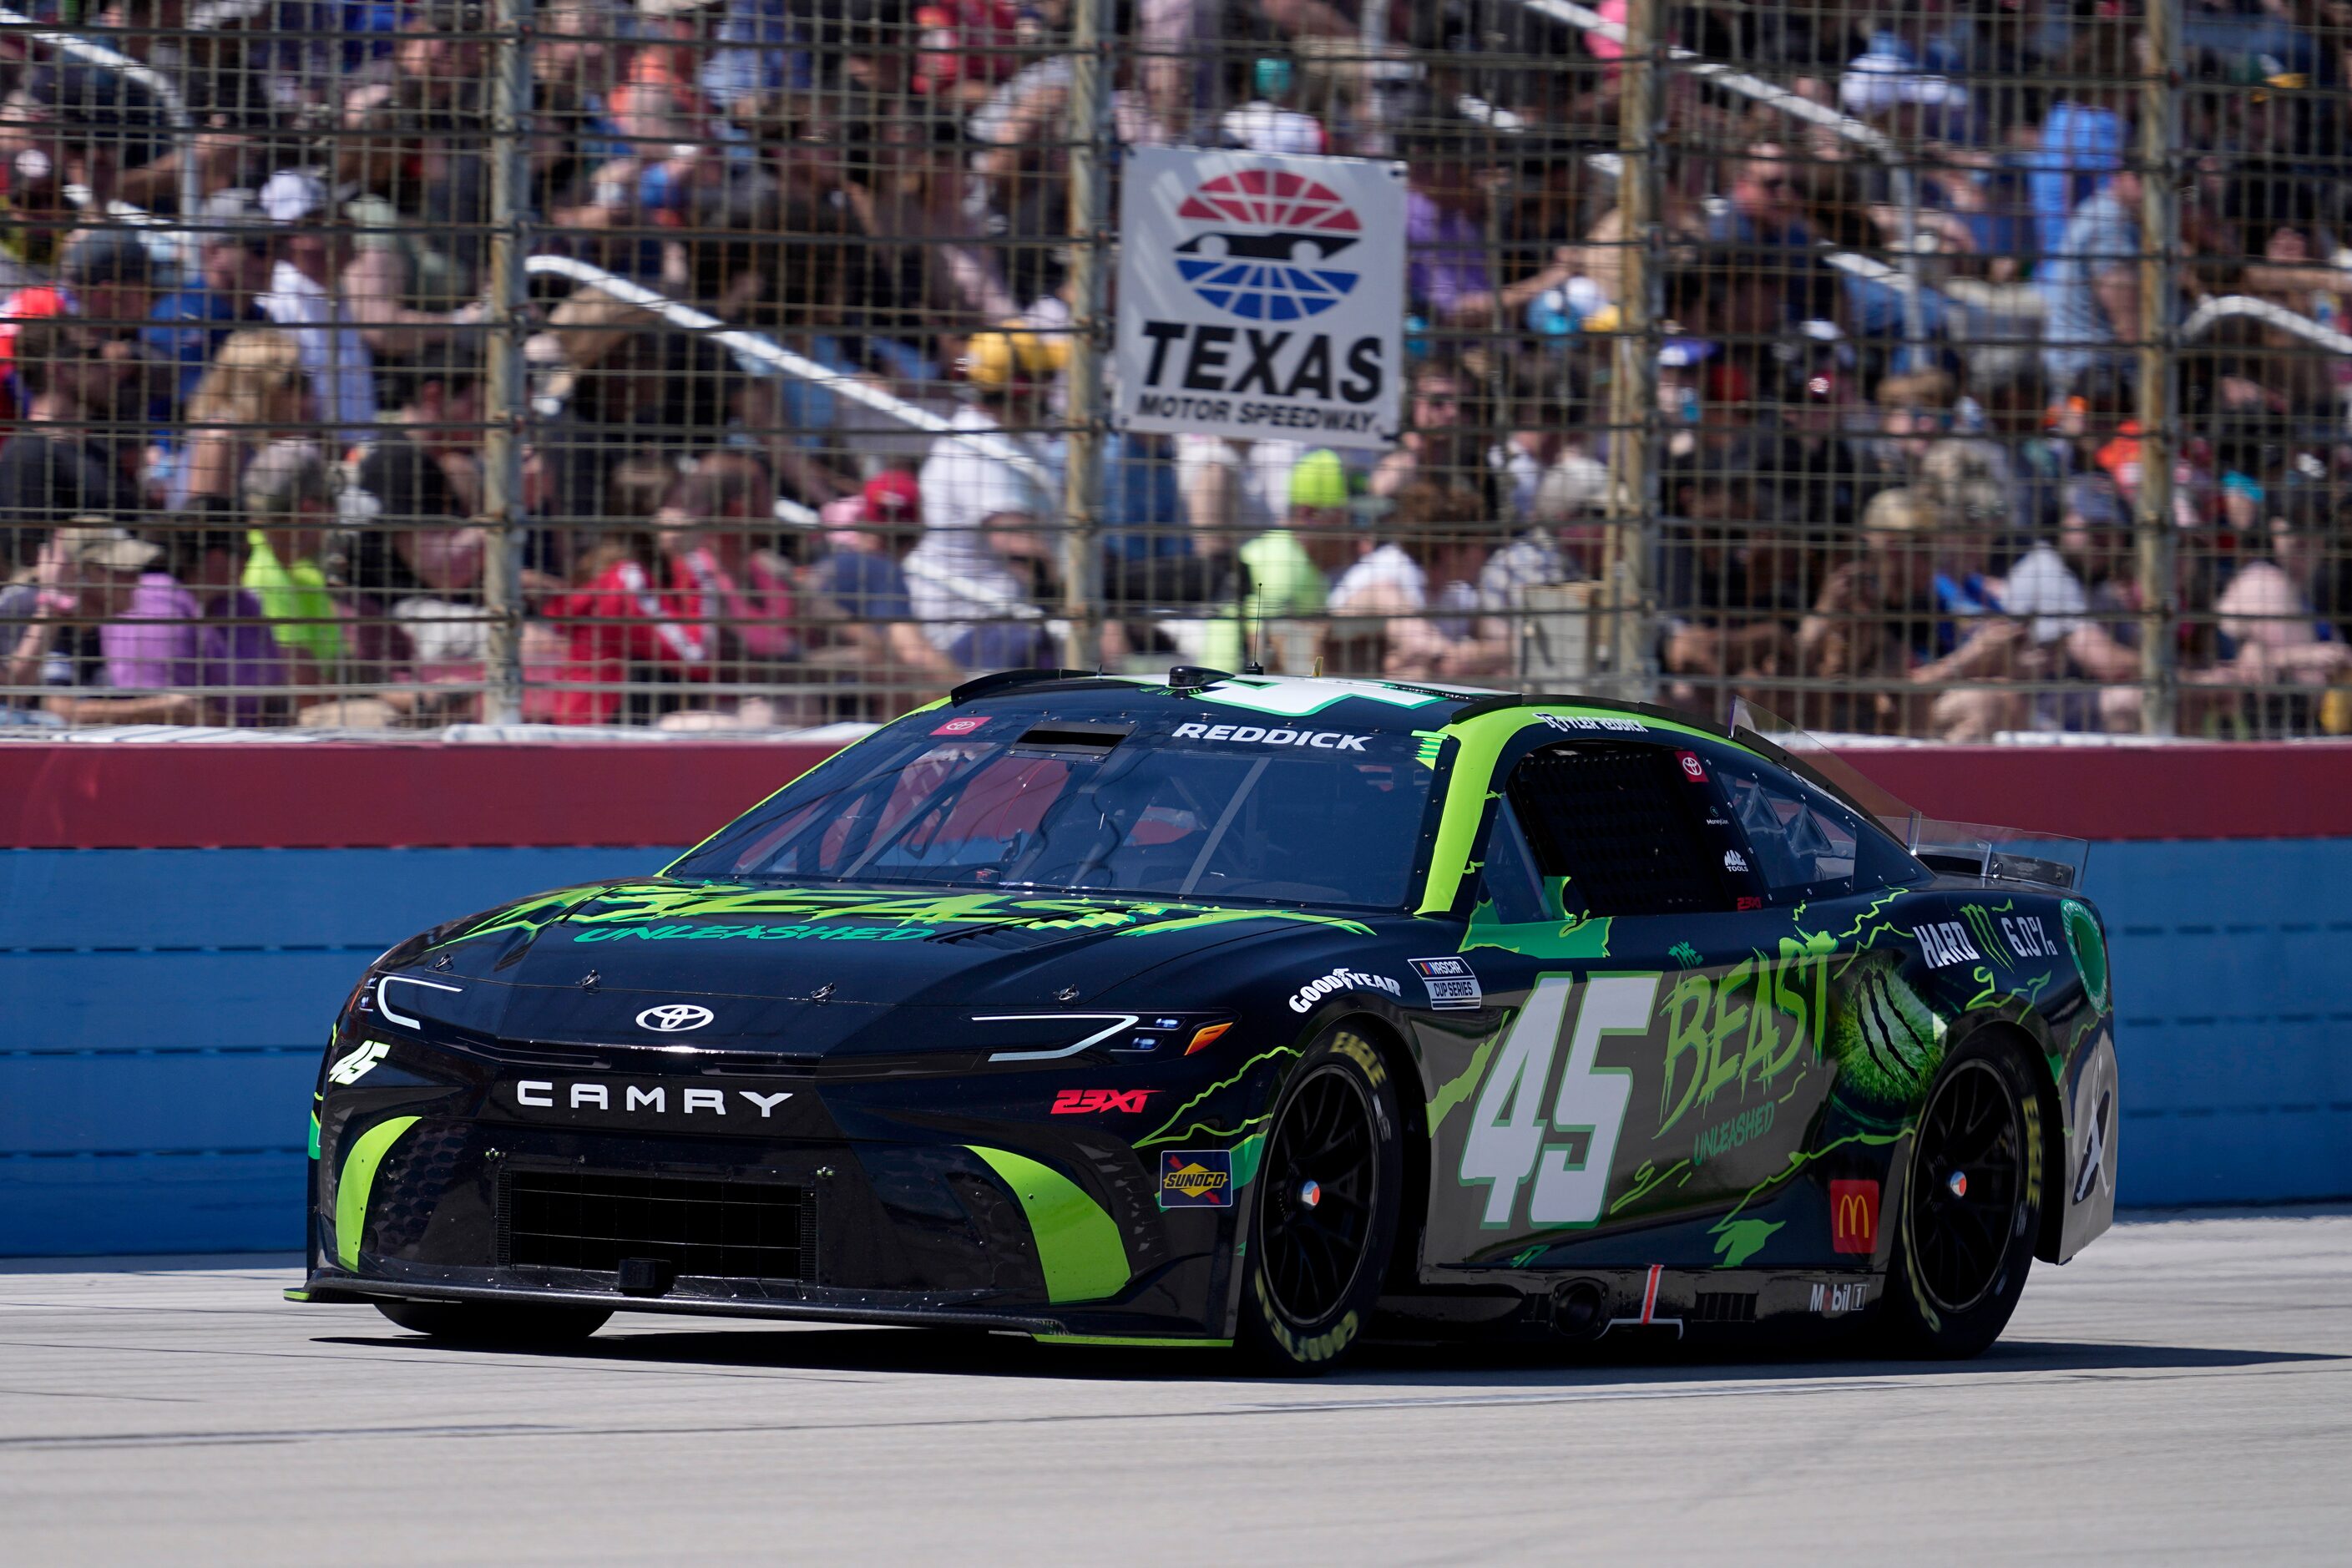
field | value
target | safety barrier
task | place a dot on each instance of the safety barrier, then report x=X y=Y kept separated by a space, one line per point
x=178 y=924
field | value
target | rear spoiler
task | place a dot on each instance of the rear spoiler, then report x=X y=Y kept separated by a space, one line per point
x=1991 y=854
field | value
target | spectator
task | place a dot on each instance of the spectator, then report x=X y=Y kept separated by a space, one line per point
x=860 y=602
x=195 y=629
x=730 y=502
x=1288 y=573
x=415 y=485
x=2077 y=599
x=2091 y=284
x=253 y=394
x=306 y=296
x=85 y=579
x=1447 y=534
x=1445 y=442
x=2271 y=633
x=1724 y=619
x=1765 y=216
x=53 y=468
x=973 y=578
x=1446 y=275
x=290 y=505
x=639 y=617
x=106 y=282
x=237 y=258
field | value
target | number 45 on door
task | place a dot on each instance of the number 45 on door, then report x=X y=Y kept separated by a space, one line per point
x=1569 y=1157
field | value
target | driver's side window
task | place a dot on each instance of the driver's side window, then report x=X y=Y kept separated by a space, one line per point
x=1513 y=883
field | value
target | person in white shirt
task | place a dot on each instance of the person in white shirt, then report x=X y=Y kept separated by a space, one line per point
x=986 y=517
x=303 y=296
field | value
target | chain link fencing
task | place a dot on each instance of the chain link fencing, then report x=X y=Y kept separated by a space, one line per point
x=1949 y=370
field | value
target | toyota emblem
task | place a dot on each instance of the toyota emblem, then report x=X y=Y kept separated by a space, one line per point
x=674 y=1017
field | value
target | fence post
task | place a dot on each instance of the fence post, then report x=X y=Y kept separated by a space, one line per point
x=1632 y=386
x=2159 y=590
x=1092 y=147
x=506 y=393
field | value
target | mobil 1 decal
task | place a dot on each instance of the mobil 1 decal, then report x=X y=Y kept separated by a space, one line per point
x=1609 y=1104
x=1261 y=296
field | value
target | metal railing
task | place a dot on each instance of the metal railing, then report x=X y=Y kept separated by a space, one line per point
x=586 y=364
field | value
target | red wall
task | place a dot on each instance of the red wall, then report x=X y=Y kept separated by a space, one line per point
x=233 y=794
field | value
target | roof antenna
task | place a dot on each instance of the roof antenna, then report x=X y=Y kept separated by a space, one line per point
x=1319 y=666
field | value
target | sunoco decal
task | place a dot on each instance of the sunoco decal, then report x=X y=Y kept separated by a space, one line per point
x=1196 y=1178
x=1261 y=296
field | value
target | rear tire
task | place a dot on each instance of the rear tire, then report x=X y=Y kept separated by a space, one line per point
x=1971 y=1206
x=509 y=1324
x=1327 y=1202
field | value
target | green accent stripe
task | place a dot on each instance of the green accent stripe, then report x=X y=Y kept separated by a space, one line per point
x=358 y=1178
x=1079 y=1244
x=1122 y=1340
x=296 y=1293
x=314 y=1135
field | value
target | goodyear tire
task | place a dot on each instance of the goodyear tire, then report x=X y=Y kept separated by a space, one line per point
x=1326 y=1204
x=516 y=1325
x=1971 y=1206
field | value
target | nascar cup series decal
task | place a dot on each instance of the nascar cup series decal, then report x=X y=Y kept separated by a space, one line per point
x=1196 y=1178
x=1452 y=981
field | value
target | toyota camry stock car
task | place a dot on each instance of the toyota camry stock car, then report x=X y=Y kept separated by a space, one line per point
x=1222 y=1009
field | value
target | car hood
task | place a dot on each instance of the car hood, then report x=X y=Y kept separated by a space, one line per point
x=764 y=959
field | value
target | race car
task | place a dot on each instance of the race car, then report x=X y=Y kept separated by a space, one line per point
x=1241 y=1011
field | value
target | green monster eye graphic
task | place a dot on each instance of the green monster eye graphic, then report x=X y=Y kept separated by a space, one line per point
x=2089 y=946
x=1887 y=1042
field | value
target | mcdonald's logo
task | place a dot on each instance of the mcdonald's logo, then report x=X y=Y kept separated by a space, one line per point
x=1853 y=1217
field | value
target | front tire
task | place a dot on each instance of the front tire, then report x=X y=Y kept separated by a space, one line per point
x=513 y=1325
x=1327 y=1202
x=1972 y=1207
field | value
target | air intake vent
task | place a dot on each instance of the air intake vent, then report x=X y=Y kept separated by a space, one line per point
x=1723 y=1307
x=590 y=1220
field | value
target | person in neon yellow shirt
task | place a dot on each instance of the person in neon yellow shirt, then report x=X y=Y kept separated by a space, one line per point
x=1290 y=571
x=290 y=505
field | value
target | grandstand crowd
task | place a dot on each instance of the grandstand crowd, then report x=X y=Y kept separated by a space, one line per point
x=242 y=367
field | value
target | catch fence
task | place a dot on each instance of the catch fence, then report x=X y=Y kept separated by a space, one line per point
x=1943 y=371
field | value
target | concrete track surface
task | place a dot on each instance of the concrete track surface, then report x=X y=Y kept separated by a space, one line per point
x=2183 y=1393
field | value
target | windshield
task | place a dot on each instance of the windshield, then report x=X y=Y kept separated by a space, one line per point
x=1253 y=813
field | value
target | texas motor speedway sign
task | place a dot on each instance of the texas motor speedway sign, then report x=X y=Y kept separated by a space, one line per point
x=1261 y=296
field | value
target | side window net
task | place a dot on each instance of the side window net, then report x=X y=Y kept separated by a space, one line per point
x=1614 y=820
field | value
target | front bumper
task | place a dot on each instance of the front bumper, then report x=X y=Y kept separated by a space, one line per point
x=950 y=1200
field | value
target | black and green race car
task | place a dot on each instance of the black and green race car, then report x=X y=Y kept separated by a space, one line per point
x=1234 y=1010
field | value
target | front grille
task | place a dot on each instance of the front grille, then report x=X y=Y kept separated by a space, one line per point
x=735 y=1230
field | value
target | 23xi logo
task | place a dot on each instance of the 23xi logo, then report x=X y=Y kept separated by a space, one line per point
x=674 y=1017
x=1075 y=1102
x=1265 y=255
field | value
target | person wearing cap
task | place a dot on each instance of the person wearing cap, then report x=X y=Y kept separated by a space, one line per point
x=306 y=294
x=106 y=280
x=188 y=327
x=191 y=626
x=860 y=600
x=85 y=578
x=2077 y=599
x=973 y=578
x=1288 y=571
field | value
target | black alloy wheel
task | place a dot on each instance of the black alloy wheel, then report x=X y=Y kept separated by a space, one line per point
x=1972 y=1205
x=1327 y=1199
x=1320 y=1175
x=1968 y=1181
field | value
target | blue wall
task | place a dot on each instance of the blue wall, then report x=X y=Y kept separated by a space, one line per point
x=155 y=1097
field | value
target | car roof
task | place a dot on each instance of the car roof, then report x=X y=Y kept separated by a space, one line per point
x=1381 y=706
